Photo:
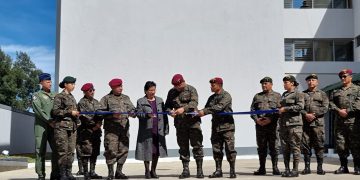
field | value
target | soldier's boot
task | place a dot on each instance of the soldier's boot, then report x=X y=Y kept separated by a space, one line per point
x=307 y=165
x=232 y=169
x=85 y=162
x=147 y=171
x=119 y=174
x=218 y=172
x=286 y=173
x=275 y=168
x=343 y=169
x=153 y=168
x=93 y=175
x=356 y=166
x=295 y=170
x=62 y=173
x=81 y=168
x=261 y=170
x=186 y=172
x=199 y=169
x=110 y=172
x=319 y=169
x=69 y=173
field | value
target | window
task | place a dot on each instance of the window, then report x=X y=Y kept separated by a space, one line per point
x=318 y=50
x=358 y=41
x=338 y=4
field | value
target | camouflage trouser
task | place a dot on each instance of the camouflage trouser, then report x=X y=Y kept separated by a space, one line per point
x=116 y=143
x=88 y=142
x=43 y=134
x=348 y=140
x=313 y=137
x=218 y=139
x=291 y=141
x=193 y=134
x=65 y=141
x=267 y=138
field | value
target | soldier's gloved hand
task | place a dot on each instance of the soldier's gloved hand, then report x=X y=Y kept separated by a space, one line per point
x=343 y=113
x=179 y=111
x=75 y=113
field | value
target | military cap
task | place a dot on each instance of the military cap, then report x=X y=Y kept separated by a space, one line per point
x=115 y=82
x=216 y=80
x=345 y=71
x=311 y=76
x=67 y=79
x=291 y=78
x=177 y=79
x=44 y=76
x=266 y=79
x=87 y=87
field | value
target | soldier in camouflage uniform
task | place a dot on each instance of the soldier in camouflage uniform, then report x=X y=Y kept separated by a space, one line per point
x=42 y=104
x=345 y=101
x=290 y=124
x=66 y=122
x=316 y=105
x=223 y=127
x=181 y=99
x=267 y=136
x=89 y=133
x=116 y=127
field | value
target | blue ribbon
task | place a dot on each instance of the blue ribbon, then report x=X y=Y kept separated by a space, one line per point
x=189 y=113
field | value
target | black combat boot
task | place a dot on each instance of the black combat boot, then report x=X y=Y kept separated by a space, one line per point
x=319 y=169
x=85 y=162
x=295 y=170
x=110 y=172
x=199 y=170
x=343 y=169
x=286 y=173
x=69 y=173
x=93 y=175
x=232 y=169
x=356 y=166
x=119 y=174
x=275 y=168
x=261 y=170
x=80 y=165
x=218 y=172
x=62 y=173
x=186 y=171
x=307 y=165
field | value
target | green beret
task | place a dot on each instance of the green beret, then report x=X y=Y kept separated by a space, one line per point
x=266 y=79
x=311 y=76
x=67 y=79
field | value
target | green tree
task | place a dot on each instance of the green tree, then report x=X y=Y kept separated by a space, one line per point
x=19 y=80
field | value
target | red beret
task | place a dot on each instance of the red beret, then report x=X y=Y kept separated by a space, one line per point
x=115 y=82
x=345 y=71
x=216 y=80
x=177 y=79
x=87 y=87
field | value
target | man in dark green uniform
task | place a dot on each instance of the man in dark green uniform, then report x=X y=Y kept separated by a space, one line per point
x=89 y=133
x=44 y=132
x=267 y=136
x=345 y=102
x=316 y=105
x=223 y=127
x=181 y=99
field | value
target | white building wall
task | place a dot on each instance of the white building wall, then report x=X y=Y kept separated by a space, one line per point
x=240 y=41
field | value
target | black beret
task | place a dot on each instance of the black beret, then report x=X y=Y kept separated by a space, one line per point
x=311 y=76
x=266 y=79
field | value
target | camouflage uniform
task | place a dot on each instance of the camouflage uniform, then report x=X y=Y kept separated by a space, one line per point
x=290 y=126
x=187 y=127
x=223 y=128
x=316 y=102
x=347 y=130
x=42 y=105
x=116 y=141
x=267 y=137
x=65 y=130
x=88 y=140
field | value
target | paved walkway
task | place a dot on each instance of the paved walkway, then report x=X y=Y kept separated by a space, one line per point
x=170 y=169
